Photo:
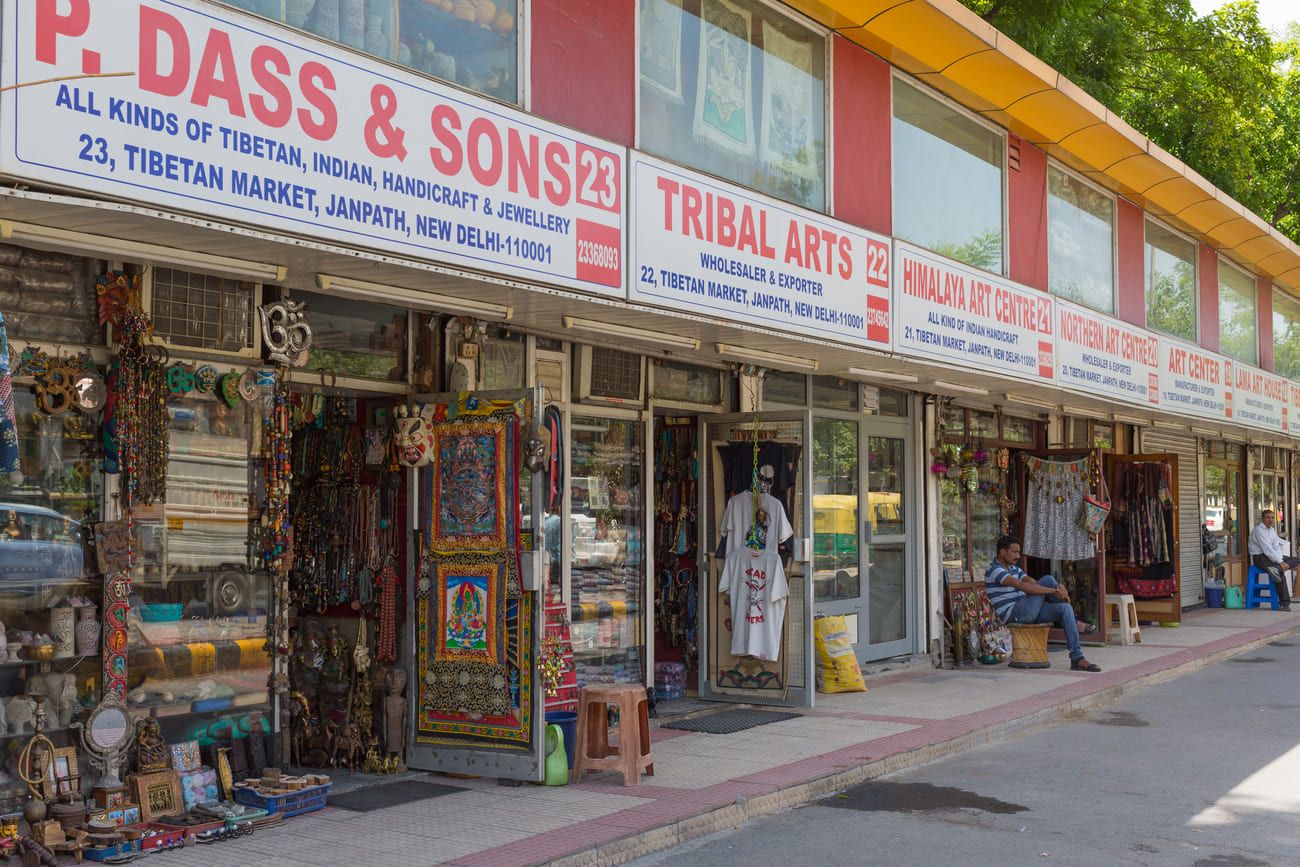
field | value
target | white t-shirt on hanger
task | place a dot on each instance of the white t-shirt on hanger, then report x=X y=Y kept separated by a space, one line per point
x=755 y=581
x=739 y=514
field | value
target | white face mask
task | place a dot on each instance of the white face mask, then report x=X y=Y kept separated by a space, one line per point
x=766 y=477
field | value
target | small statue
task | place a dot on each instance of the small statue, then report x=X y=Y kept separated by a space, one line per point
x=20 y=711
x=12 y=529
x=150 y=749
x=394 y=730
x=4 y=644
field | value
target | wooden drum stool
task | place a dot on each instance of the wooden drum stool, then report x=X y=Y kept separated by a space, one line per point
x=1029 y=645
x=594 y=753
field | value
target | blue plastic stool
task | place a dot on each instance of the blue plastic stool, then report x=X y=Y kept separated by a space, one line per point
x=1259 y=591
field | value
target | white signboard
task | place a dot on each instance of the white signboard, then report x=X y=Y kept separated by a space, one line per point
x=1194 y=381
x=226 y=115
x=1104 y=357
x=1259 y=399
x=701 y=245
x=946 y=311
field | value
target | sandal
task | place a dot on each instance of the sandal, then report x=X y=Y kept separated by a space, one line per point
x=1083 y=665
x=1086 y=628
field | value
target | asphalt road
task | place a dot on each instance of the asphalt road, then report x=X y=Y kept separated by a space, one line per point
x=1203 y=771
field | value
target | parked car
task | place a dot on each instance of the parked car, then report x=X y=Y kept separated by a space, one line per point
x=40 y=550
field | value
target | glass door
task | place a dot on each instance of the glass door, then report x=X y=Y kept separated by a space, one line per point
x=607 y=565
x=860 y=539
x=477 y=702
x=737 y=661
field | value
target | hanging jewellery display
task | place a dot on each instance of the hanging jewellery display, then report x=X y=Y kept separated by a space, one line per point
x=277 y=532
x=140 y=414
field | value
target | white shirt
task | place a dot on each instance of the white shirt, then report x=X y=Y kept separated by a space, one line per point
x=1265 y=540
x=755 y=581
x=739 y=515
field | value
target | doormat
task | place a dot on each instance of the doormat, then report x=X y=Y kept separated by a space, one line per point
x=730 y=721
x=390 y=795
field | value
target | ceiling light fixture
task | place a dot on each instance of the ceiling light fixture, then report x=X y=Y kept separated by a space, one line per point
x=944 y=385
x=882 y=375
x=399 y=296
x=764 y=356
x=677 y=341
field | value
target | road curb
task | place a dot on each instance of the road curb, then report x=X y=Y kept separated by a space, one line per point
x=743 y=810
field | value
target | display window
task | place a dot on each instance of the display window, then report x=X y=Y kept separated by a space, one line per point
x=942 y=154
x=472 y=43
x=736 y=89
x=1238 y=330
x=359 y=339
x=1286 y=335
x=1170 y=274
x=1080 y=241
x=1223 y=495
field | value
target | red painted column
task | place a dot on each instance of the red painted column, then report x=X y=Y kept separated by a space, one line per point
x=583 y=65
x=1207 y=283
x=862 y=115
x=1027 y=222
x=1130 y=231
x=1264 y=321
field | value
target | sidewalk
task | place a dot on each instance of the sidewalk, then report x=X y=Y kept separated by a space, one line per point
x=706 y=783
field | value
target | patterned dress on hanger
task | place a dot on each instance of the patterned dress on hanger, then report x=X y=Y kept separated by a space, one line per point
x=1053 y=499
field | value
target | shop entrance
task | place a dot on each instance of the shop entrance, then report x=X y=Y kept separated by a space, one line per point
x=677 y=586
x=767 y=658
x=861 y=545
x=477 y=704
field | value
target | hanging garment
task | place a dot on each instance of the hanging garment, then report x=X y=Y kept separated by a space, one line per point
x=1053 y=498
x=755 y=582
x=738 y=522
x=1150 y=515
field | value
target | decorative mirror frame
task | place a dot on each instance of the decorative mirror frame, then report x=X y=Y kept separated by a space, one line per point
x=108 y=757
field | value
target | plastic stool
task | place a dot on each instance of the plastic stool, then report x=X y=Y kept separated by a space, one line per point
x=594 y=752
x=1126 y=613
x=1259 y=588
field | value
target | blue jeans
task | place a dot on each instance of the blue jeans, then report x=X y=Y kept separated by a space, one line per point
x=1038 y=609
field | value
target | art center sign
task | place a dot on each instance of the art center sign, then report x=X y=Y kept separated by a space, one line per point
x=226 y=115
x=1102 y=356
x=712 y=248
x=953 y=313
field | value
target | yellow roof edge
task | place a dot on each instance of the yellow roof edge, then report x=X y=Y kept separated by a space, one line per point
x=955 y=13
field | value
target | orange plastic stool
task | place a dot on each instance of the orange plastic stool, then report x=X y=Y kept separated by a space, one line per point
x=594 y=752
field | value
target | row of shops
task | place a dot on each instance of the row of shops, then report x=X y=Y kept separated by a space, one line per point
x=376 y=470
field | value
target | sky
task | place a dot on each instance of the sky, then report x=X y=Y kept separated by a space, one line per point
x=1275 y=14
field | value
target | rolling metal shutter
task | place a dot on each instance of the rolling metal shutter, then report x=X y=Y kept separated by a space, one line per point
x=1190 y=564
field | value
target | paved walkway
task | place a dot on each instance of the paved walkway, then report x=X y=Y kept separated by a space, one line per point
x=705 y=782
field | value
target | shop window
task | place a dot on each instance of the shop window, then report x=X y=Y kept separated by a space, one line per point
x=828 y=392
x=1170 y=273
x=893 y=403
x=687 y=383
x=736 y=89
x=1017 y=430
x=954 y=421
x=1286 y=335
x=1087 y=433
x=784 y=389
x=202 y=311
x=1237 y=335
x=982 y=424
x=1080 y=241
x=942 y=155
x=505 y=359
x=472 y=43
x=355 y=338
x=49 y=297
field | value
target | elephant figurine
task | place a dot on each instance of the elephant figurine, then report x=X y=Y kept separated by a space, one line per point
x=20 y=711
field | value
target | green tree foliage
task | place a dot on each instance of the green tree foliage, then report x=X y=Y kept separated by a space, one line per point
x=1217 y=91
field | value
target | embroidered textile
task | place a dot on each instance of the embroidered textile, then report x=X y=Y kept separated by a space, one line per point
x=468 y=608
x=8 y=424
x=470 y=688
x=1053 y=499
x=475 y=487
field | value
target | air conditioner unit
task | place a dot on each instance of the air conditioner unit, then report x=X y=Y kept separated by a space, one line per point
x=553 y=374
x=609 y=376
x=686 y=386
x=194 y=312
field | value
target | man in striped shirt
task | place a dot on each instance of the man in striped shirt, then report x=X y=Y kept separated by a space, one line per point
x=1017 y=598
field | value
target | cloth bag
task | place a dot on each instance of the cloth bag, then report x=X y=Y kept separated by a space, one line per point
x=1095 y=509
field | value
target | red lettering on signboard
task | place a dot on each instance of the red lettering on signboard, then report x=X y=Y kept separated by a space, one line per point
x=50 y=25
x=877 y=264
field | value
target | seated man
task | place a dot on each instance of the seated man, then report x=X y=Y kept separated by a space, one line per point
x=1017 y=598
x=1268 y=552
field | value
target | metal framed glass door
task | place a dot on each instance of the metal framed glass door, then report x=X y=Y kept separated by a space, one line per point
x=862 y=549
x=726 y=462
x=475 y=702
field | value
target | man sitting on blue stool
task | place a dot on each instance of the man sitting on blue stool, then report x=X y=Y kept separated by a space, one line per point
x=1269 y=553
x=1017 y=598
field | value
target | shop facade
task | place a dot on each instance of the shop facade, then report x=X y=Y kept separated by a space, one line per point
x=545 y=357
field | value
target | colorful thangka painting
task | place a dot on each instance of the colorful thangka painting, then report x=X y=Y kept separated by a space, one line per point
x=475 y=487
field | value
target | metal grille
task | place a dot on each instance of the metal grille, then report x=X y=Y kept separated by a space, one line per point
x=202 y=311
x=615 y=374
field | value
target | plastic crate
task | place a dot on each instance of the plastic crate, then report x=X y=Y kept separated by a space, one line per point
x=293 y=803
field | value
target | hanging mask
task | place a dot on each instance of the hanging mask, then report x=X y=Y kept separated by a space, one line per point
x=766 y=478
x=534 y=451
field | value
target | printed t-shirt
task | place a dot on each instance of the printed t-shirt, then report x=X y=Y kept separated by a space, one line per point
x=755 y=581
x=738 y=517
